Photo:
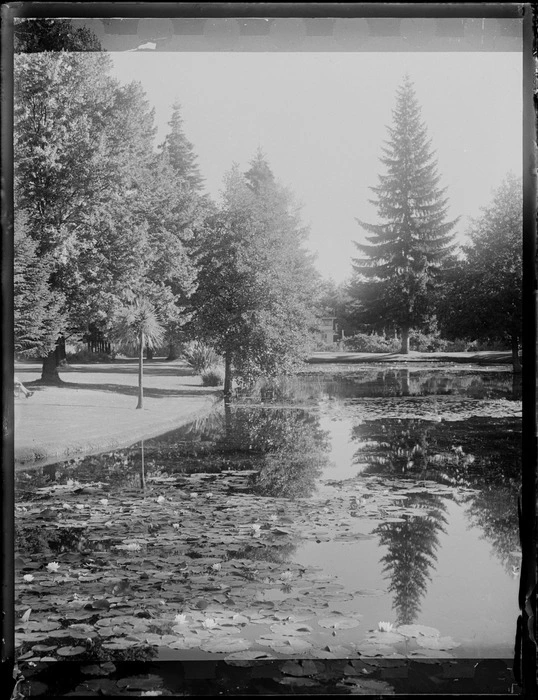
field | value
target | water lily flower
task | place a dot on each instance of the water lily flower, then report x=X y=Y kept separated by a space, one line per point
x=385 y=626
x=209 y=623
x=67 y=506
x=161 y=499
x=256 y=527
x=180 y=619
x=216 y=567
x=274 y=517
x=79 y=506
x=53 y=566
x=104 y=501
x=133 y=547
x=175 y=526
x=286 y=576
x=194 y=494
x=28 y=577
x=209 y=494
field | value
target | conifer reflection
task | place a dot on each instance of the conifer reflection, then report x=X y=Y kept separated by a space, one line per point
x=411 y=554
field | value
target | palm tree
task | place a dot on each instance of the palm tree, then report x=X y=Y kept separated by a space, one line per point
x=137 y=326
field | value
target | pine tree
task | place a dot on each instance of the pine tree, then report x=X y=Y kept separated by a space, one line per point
x=179 y=151
x=405 y=252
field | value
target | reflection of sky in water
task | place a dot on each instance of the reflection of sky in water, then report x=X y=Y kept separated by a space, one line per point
x=469 y=597
x=469 y=594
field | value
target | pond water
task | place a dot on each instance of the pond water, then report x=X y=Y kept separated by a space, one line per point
x=355 y=512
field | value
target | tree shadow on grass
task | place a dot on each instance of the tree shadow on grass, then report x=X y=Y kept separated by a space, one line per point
x=152 y=368
x=149 y=392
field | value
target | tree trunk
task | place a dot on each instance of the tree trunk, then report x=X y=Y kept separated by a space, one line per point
x=404 y=350
x=142 y=468
x=516 y=364
x=227 y=373
x=60 y=351
x=173 y=352
x=49 y=370
x=141 y=372
x=404 y=377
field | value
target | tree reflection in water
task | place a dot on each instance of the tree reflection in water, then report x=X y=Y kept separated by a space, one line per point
x=411 y=546
x=291 y=448
x=480 y=454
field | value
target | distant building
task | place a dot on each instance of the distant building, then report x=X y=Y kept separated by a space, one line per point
x=327 y=329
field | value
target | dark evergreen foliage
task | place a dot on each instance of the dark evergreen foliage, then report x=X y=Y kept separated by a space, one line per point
x=406 y=251
x=52 y=34
x=179 y=151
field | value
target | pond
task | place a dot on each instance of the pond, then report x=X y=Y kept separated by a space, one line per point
x=352 y=513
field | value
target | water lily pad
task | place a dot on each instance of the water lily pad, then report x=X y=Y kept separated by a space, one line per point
x=437 y=643
x=291 y=629
x=338 y=623
x=70 y=651
x=226 y=645
x=417 y=631
x=239 y=658
x=384 y=638
x=298 y=682
x=374 y=650
x=430 y=653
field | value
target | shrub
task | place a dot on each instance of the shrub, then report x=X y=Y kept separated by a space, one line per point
x=200 y=357
x=84 y=356
x=364 y=342
x=212 y=377
x=426 y=342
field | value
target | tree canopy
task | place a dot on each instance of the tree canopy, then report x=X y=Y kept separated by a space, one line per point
x=256 y=283
x=484 y=299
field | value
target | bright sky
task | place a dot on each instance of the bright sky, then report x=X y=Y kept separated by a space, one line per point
x=320 y=119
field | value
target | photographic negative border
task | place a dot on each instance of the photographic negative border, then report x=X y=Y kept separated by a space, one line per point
x=298 y=27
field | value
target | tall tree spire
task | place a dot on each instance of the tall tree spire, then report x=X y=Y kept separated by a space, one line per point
x=180 y=151
x=407 y=248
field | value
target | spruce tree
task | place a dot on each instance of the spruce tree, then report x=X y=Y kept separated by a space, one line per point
x=402 y=261
x=180 y=152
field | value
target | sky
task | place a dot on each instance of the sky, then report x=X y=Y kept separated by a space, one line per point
x=321 y=120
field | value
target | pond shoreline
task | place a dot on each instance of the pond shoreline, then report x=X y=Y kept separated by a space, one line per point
x=94 y=410
x=481 y=358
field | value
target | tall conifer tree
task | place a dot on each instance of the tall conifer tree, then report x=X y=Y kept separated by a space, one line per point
x=180 y=151
x=404 y=256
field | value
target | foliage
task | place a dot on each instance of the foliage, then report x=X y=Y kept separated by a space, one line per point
x=138 y=326
x=256 y=283
x=85 y=356
x=112 y=217
x=483 y=301
x=179 y=151
x=405 y=253
x=48 y=34
x=212 y=377
x=200 y=356
x=335 y=300
x=426 y=342
x=38 y=310
x=371 y=342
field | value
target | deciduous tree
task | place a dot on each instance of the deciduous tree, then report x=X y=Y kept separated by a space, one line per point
x=256 y=283
x=483 y=301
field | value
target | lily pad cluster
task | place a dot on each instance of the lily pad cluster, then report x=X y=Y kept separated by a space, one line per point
x=195 y=563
